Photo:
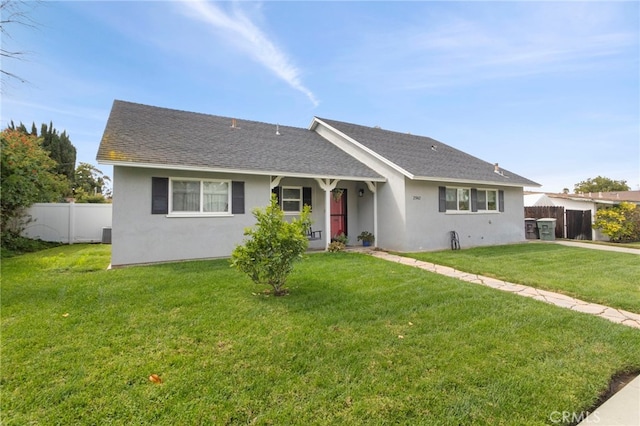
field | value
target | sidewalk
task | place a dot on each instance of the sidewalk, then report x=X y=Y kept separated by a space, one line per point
x=622 y=409
x=594 y=246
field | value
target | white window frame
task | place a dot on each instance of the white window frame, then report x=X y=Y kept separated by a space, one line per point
x=486 y=206
x=459 y=191
x=201 y=212
x=299 y=200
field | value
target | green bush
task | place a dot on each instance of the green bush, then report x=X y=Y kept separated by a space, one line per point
x=620 y=223
x=273 y=246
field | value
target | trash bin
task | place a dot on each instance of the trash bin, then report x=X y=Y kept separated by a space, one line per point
x=530 y=229
x=547 y=228
x=106 y=235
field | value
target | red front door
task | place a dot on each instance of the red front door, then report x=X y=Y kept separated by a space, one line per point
x=338 y=203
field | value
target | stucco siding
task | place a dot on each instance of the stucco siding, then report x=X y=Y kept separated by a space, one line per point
x=141 y=237
x=391 y=213
x=429 y=229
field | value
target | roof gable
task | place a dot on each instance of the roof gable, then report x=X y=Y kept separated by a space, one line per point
x=420 y=157
x=142 y=135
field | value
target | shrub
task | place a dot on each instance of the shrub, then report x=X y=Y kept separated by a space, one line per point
x=13 y=244
x=336 y=246
x=273 y=246
x=620 y=223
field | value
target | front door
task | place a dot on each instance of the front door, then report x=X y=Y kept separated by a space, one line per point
x=338 y=212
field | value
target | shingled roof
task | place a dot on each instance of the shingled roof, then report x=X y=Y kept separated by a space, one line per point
x=142 y=135
x=421 y=157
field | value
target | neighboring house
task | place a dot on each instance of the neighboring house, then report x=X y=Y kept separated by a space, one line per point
x=184 y=185
x=581 y=207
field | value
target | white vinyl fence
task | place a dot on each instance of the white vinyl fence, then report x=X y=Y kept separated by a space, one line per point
x=69 y=222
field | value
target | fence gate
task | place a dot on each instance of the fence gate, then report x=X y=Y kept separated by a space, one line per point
x=579 y=224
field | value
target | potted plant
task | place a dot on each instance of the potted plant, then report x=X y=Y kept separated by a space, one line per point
x=366 y=237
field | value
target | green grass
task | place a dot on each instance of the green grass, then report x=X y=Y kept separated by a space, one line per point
x=608 y=278
x=329 y=353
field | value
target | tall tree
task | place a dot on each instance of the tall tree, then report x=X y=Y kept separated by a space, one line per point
x=60 y=149
x=601 y=184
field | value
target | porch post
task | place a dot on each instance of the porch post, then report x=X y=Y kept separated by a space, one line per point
x=373 y=187
x=327 y=218
x=328 y=185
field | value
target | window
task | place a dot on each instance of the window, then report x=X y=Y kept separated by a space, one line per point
x=199 y=196
x=470 y=200
x=458 y=199
x=291 y=199
x=487 y=200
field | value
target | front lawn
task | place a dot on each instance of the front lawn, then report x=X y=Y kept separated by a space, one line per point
x=608 y=278
x=358 y=341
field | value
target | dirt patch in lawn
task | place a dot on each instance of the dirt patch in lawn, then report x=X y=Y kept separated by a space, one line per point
x=617 y=382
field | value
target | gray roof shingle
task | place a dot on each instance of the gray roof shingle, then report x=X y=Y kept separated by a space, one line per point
x=141 y=134
x=415 y=155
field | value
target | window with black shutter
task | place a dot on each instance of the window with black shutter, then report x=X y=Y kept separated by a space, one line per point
x=237 y=197
x=159 y=195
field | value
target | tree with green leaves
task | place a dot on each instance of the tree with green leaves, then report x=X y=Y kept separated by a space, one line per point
x=273 y=246
x=27 y=176
x=600 y=184
x=90 y=184
x=58 y=145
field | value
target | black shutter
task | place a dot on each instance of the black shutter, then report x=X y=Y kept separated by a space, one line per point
x=474 y=200
x=159 y=195
x=276 y=191
x=501 y=200
x=306 y=196
x=442 y=199
x=237 y=197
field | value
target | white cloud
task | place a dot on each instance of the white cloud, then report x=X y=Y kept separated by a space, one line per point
x=493 y=42
x=239 y=28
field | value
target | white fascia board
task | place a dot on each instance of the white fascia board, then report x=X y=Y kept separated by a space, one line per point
x=237 y=171
x=357 y=144
x=471 y=181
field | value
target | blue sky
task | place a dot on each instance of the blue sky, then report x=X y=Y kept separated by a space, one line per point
x=550 y=90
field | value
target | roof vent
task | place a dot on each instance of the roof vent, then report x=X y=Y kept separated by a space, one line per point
x=496 y=169
x=277 y=130
x=434 y=148
x=234 y=124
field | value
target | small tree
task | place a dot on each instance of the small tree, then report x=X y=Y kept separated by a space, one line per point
x=620 y=223
x=28 y=176
x=273 y=246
